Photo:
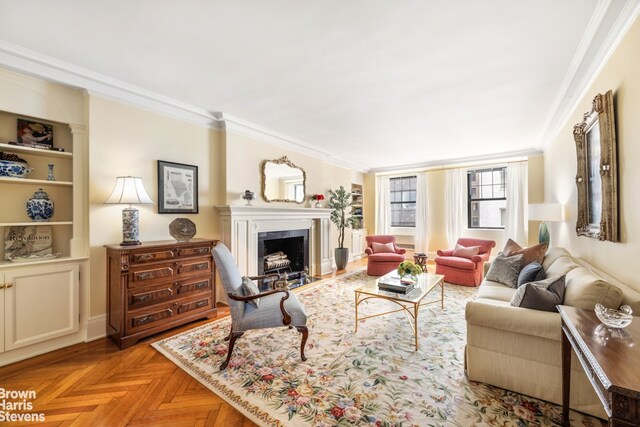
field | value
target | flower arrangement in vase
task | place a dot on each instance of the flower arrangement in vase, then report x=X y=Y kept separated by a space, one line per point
x=409 y=268
x=318 y=198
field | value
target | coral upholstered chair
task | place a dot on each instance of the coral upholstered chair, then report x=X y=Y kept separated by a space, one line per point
x=464 y=269
x=384 y=255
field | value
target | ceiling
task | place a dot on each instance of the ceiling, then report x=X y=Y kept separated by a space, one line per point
x=373 y=83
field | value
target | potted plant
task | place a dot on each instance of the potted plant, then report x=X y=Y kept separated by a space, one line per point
x=340 y=201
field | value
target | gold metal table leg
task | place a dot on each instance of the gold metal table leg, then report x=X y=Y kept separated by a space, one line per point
x=356 y=293
x=416 y=307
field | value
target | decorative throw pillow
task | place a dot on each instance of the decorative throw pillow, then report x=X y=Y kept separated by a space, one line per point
x=531 y=254
x=531 y=273
x=466 y=252
x=505 y=270
x=383 y=248
x=249 y=288
x=542 y=295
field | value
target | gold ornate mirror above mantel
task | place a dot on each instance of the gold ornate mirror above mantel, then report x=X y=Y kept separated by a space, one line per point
x=597 y=177
x=282 y=181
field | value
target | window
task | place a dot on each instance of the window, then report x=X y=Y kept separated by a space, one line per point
x=487 y=197
x=403 y=201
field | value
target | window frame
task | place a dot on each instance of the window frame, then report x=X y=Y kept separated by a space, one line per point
x=482 y=199
x=414 y=202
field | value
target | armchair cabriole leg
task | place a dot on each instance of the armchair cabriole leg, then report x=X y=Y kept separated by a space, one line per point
x=232 y=342
x=305 y=334
x=229 y=336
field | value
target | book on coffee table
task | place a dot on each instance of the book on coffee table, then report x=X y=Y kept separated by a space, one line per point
x=394 y=284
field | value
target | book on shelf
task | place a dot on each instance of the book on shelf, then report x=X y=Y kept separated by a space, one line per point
x=30 y=241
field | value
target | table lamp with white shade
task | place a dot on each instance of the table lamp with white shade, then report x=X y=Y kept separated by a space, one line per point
x=129 y=190
x=545 y=212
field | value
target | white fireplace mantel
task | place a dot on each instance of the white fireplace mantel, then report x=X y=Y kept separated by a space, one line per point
x=240 y=225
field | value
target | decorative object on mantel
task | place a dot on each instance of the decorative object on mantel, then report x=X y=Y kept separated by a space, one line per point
x=597 y=175
x=30 y=242
x=339 y=201
x=545 y=212
x=35 y=135
x=248 y=195
x=182 y=229
x=318 y=198
x=50 y=177
x=282 y=181
x=13 y=166
x=40 y=207
x=177 y=188
x=129 y=190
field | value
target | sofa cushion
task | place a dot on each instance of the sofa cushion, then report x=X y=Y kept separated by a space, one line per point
x=505 y=270
x=466 y=252
x=385 y=256
x=250 y=288
x=379 y=248
x=560 y=267
x=495 y=291
x=531 y=273
x=553 y=254
x=456 y=262
x=585 y=290
x=542 y=295
x=531 y=254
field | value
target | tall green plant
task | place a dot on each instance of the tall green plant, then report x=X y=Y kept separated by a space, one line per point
x=340 y=201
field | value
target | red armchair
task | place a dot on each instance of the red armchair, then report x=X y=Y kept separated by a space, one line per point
x=385 y=257
x=461 y=270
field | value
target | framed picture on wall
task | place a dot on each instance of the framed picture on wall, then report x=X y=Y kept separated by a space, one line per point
x=177 y=188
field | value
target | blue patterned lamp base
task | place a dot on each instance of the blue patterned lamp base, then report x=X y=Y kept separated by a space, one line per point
x=130 y=227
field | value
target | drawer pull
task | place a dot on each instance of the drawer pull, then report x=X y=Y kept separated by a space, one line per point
x=146 y=256
x=143 y=276
x=201 y=304
x=201 y=266
x=202 y=285
x=142 y=298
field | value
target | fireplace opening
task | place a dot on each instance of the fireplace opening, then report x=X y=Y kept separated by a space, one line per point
x=285 y=253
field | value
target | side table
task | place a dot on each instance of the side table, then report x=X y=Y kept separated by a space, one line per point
x=609 y=358
x=421 y=260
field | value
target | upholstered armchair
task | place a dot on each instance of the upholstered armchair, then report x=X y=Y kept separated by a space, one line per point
x=276 y=308
x=465 y=264
x=384 y=255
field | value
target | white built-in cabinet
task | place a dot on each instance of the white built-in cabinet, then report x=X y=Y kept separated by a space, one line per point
x=40 y=302
x=44 y=302
x=358 y=244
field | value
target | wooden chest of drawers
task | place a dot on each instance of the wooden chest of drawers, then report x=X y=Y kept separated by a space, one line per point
x=158 y=285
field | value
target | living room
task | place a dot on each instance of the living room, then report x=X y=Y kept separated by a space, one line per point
x=112 y=124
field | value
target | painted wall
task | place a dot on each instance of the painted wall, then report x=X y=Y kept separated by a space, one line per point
x=125 y=140
x=620 y=74
x=244 y=157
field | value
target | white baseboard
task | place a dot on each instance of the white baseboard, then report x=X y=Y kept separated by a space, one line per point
x=96 y=327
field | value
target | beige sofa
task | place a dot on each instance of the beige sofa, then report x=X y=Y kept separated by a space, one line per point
x=518 y=349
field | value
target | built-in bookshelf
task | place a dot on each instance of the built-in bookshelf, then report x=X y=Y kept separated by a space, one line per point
x=357 y=206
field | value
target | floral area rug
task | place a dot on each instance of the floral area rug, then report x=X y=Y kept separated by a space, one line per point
x=370 y=377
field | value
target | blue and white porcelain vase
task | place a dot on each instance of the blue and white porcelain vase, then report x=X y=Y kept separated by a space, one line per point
x=40 y=206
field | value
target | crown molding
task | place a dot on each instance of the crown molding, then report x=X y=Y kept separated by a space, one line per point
x=33 y=63
x=583 y=70
x=461 y=161
x=243 y=127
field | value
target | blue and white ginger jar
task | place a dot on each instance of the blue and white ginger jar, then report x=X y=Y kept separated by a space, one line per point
x=40 y=206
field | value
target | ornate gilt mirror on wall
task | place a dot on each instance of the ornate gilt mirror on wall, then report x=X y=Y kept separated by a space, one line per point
x=597 y=177
x=282 y=181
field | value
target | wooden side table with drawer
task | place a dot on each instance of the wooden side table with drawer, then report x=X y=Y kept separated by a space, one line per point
x=156 y=286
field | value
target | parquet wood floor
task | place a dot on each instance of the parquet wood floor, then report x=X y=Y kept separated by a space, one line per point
x=95 y=384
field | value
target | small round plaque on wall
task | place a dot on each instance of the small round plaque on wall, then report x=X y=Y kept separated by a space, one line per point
x=182 y=229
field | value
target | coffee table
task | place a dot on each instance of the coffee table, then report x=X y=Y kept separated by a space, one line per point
x=410 y=302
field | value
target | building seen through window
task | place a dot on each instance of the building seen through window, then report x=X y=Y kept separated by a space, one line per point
x=487 y=194
x=403 y=201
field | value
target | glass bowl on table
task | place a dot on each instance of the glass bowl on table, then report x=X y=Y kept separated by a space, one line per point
x=616 y=319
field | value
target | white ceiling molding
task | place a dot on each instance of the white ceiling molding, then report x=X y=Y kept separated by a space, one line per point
x=582 y=72
x=460 y=162
x=36 y=64
x=242 y=127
